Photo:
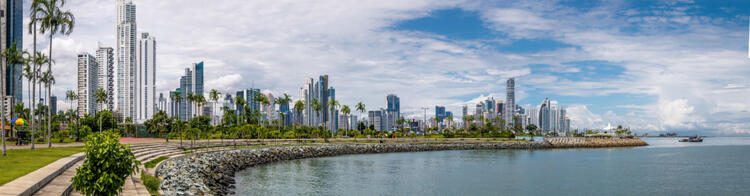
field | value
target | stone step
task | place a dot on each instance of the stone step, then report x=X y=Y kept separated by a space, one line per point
x=36 y=180
x=169 y=154
x=156 y=155
x=62 y=184
x=129 y=188
x=133 y=186
x=146 y=146
x=152 y=150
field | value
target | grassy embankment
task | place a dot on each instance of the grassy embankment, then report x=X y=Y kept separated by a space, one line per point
x=20 y=162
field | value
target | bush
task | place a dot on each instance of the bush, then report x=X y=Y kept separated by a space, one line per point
x=108 y=164
x=290 y=134
x=275 y=134
x=151 y=183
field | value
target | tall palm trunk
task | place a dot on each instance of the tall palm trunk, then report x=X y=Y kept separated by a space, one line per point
x=49 y=93
x=41 y=96
x=178 y=118
x=100 y=120
x=2 y=103
x=33 y=91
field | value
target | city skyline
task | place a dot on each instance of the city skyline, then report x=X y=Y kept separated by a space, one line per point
x=609 y=73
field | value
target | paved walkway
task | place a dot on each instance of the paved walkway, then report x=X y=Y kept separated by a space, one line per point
x=132 y=186
x=124 y=140
x=11 y=146
x=55 y=178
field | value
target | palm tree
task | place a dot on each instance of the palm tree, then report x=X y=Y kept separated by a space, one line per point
x=37 y=60
x=346 y=110
x=32 y=74
x=214 y=96
x=299 y=106
x=361 y=108
x=52 y=20
x=12 y=56
x=100 y=96
x=190 y=98
x=333 y=104
x=531 y=128
x=48 y=80
x=177 y=98
x=199 y=100
x=283 y=100
x=449 y=119
x=315 y=104
x=240 y=103
x=263 y=100
x=71 y=96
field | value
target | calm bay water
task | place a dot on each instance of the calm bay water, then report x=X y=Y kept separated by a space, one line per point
x=718 y=166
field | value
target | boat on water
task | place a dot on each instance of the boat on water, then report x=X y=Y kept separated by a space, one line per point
x=693 y=139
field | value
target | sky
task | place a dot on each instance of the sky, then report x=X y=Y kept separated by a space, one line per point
x=654 y=66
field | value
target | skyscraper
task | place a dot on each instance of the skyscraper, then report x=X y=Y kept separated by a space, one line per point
x=333 y=119
x=105 y=60
x=191 y=82
x=198 y=78
x=53 y=104
x=393 y=104
x=173 y=106
x=186 y=86
x=12 y=31
x=306 y=95
x=440 y=113
x=146 y=78
x=323 y=97
x=249 y=96
x=87 y=83
x=544 y=115
x=375 y=117
x=161 y=104
x=126 y=58
x=316 y=91
x=510 y=102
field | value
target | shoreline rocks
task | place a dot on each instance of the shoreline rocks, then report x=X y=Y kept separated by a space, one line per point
x=212 y=173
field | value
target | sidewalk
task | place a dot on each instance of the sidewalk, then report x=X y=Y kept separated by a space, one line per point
x=124 y=140
x=11 y=146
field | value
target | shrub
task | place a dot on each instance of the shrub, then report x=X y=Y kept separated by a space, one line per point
x=108 y=164
x=151 y=183
x=290 y=134
x=275 y=134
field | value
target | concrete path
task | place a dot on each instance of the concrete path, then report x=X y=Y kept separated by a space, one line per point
x=11 y=146
x=56 y=178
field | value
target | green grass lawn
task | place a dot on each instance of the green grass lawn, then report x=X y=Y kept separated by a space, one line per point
x=23 y=161
x=152 y=163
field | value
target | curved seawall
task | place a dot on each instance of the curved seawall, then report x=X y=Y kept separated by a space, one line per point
x=212 y=173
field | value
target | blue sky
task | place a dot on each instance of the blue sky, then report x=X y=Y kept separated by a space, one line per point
x=655 y=66
x=469 y=24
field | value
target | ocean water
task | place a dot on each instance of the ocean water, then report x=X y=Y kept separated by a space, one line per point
x=718 y=166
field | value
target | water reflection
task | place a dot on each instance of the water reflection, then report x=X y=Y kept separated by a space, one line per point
x=663 y=168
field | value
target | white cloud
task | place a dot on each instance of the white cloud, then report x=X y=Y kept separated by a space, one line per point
x=675 y=113
x=582 y=118
x=698 y=73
